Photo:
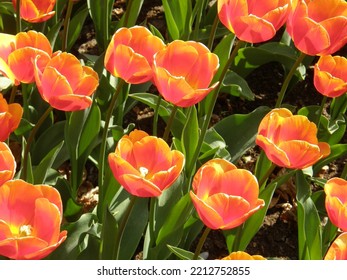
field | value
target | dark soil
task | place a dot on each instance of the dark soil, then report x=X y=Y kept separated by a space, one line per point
x=277 y=237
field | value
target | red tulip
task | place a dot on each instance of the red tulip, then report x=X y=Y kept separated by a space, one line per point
x=10 y=117
x=130 y=54
x=224 y=196
x=338 y=249
x=144 y=165
x=253 y=21
x=336 y=202
x=330 y=75
x=318 y=27
x=183 y=72
x=7 y=164
x=30 y=218
x=290 y=141
x=64 y=83
x=35 y=10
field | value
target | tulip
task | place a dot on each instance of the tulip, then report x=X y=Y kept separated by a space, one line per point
x=338 y=249
x=290 y=141
x=64 y=83
x=239 y=255
x=183 y=72
x=336 y=201
x=224 y=196
x=29 y=45
x=7 y=164
x=318 y=27
x=36 y=10
x=253 y=21
x=330 y=75
x=144 y=165
x=10 y=117
x=30 y=218
x=130 y=54
x=7 y=44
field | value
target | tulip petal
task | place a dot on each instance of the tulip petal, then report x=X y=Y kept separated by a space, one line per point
x=5 y=231
x=139 y=186
x=338 y=249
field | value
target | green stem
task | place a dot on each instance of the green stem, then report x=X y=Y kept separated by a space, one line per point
x=320 y=111
x=201 y=243
x=66 y=26
x=102 y=155
x=13 y=94
x=213 y=33
x=31 y=140
x=266 y=176
x=169 y=123
x=155 y=117
x=288 y=79
x=344 y=172
x=127 y=12
x=123 y=224
x=18 y=19
x=237 y=240
x=151 y=226
x=212 y=104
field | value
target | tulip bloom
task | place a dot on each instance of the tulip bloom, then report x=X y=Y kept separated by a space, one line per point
x=338 y=249
x=35 y=10
x=253 y=21
x=330 y=75
x=336 y=202
x=318 y=27
x=130 y=54
x=64 y=83
x=10 y=117
x=30 y=217
x=183 y=72
x=7 y=44
x=144 y=165
x=239 y=255
x=224 y=196
x=7 y=164
x=290 y=141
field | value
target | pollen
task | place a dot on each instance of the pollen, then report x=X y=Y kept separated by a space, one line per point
x=144 y=171
x=25 y=230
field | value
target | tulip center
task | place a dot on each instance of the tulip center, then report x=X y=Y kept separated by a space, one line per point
x=143 y=171
x=25 y=230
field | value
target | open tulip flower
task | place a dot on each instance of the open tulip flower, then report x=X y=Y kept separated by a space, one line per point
x=253 y=21
x=144 y=165
x=330 y=75
x=30 y=218
x=224 y=196
x=36 y=10
x=338 y=249
x=130 y=54
x=336 y=201
x=10 y=117
x=183 y=72
x=7 y=164
x=318 y=27
x=290 y=140
x=64 y=83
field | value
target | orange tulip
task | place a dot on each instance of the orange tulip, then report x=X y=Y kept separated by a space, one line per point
x=64 y=83
x=7 y=164
x=7 y=45
x=239 y=255
x=318 y=27
x=330 y=75
x=10 y=117
x=130 y=54
x=35 y=10
x=30 y=218
x=338 y=249
x=253 y=21
x=224 y=196
x=290 y=141
x=144 y=165
x=336 y=202
x=183 y=72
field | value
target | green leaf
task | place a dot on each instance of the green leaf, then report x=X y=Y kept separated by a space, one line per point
x=108 y=236
x=75 y=27
x=182 y=254
x=131 y=13
x=240 y=130
x=237 y=86
x=336 y=151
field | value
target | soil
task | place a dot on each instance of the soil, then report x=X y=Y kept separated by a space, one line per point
x=277 y=237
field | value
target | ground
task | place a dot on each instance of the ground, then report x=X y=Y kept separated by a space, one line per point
x=277 y=238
